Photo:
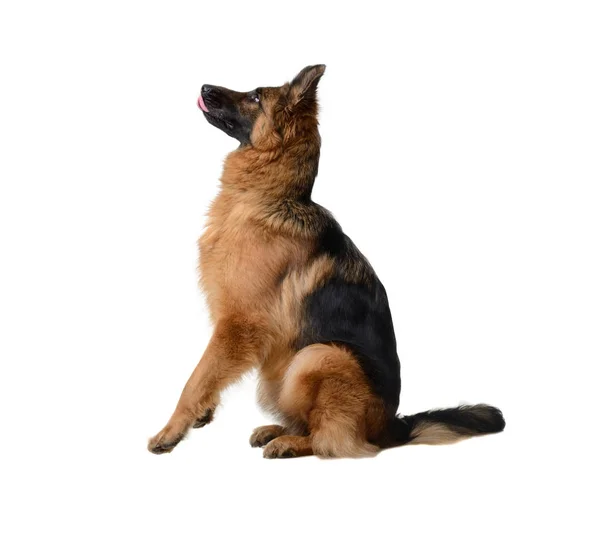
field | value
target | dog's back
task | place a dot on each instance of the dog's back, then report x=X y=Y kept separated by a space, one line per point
x=292 y=296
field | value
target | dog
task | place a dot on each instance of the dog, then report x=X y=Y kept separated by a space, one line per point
x=291 y=296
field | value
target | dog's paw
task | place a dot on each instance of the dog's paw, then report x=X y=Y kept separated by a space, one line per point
x=206 y=418
x=279 y=449
x=166 y=439
x=264 y=434
x=288 y=446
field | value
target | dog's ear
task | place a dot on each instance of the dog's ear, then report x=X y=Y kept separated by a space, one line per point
x=304 y=86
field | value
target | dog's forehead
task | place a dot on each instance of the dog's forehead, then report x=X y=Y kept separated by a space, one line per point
x=273 y=92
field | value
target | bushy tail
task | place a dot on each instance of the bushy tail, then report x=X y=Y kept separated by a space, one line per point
x=445 y=426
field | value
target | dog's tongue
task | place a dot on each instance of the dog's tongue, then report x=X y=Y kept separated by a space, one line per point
x=201 y=104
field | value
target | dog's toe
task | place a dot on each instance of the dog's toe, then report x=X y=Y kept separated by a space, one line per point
x=164 y=442
x=265 y=434
x=205 y=419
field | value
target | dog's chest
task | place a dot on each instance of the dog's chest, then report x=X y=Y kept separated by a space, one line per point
x=240 y=265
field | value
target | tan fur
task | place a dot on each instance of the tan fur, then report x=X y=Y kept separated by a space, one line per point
x=432 y=433
x=284 y=319
x=264 y=434
x=266 y=249
x=325 y=388
x=289 y=446
x=257 y=265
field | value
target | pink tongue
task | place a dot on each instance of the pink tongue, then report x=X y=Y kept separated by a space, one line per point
x=201 y=104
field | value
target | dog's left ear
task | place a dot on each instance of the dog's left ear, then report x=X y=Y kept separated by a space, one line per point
x=304 y=85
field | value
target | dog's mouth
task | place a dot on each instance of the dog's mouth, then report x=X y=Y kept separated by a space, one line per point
x=201 y=104
x=218 y=105
x=214 y=113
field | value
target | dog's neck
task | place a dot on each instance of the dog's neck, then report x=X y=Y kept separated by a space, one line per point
x=284 y=171
x=272 y=187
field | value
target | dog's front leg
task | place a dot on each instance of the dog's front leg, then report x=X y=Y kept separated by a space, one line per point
x=234 y=348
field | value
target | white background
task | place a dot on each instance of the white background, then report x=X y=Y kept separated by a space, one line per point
x=460 y=152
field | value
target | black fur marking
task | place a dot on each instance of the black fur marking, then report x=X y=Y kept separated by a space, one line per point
x=352 y=309
x=467 y=420
x=233 y=125
x=224 y=113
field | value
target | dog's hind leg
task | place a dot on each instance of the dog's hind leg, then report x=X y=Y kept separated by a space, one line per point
x=326 y=389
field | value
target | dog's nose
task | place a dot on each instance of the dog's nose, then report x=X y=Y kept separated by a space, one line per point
x=207 y=89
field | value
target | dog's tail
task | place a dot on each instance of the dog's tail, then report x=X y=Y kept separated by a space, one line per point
x=444 y=426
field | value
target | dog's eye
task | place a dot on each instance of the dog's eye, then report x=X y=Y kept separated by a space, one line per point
x=254 y=97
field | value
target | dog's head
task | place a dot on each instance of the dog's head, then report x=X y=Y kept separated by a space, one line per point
x=268 y=116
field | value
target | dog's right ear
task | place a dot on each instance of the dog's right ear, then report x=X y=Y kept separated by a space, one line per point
x=304 y=86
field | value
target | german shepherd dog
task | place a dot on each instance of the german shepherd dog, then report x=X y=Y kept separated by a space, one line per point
x=291 y=296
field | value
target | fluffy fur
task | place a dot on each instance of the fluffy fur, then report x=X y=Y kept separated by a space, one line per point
x=291 y=296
